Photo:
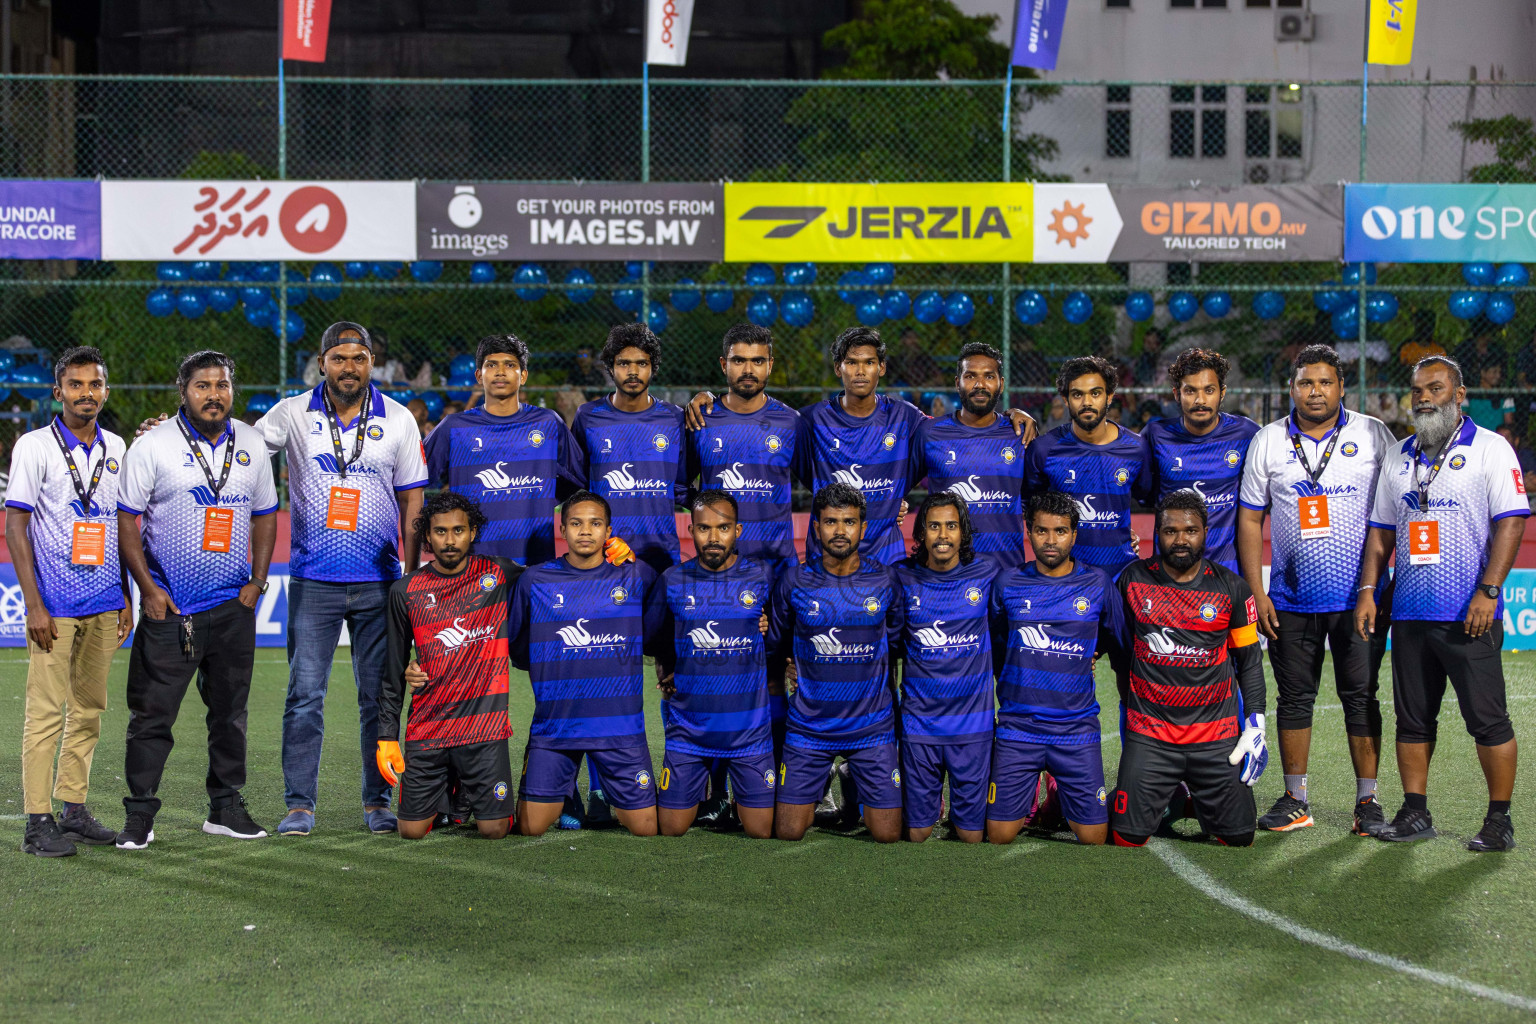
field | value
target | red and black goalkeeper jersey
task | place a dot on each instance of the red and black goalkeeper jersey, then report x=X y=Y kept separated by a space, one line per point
x=1190 y=641
x=458 y=626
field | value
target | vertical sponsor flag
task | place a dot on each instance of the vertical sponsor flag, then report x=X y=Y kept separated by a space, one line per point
x=1037 y=33
x=667 y=23
x=306 y=27
x=1389 y=31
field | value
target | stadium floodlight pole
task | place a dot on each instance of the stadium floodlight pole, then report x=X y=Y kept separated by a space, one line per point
x=1007 y=338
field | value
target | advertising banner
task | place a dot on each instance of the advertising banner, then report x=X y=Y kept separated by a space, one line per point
x=1037 y=33
x=306 y=27
x=1247 y=224
x=494 y=221
x=1075 y=223
x=258 y=220
x=50 y=220
x=942 y=222
x=667 y=23
x=1440 y=223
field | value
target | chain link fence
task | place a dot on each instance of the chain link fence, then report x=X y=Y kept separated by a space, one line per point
x=1155 y=133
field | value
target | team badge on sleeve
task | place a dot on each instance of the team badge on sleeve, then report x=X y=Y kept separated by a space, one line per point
x=375 y=432
x=488 y=582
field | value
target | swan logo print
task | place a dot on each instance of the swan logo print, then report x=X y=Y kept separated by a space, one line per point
x=1164 y=646
x=852 y=478
x=457 y=635
x=829 y=646
x=1218 y=500
x=968 y=492
x=732 y=480
x=577 y=638
x=933 y=638
x=707 y=639
x=1089 y=515
x=494 y=479
x=1037 y=638
x=621 y=480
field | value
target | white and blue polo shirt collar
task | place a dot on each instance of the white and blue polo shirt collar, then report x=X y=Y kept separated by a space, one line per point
x=1464 y=435
x=376 y=397
x=74 y=442
x=228 y=435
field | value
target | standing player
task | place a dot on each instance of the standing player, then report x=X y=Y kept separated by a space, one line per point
x=712 y=669
x=1194 y=706
x=975 y=454
x=946 y=687
x=1453 y=496
x=513 y=459
x=453 y=611
x=1315 y=471
x=838 y=617
x=1203 y=449
x=632 y=444
x=1094 y=461
x=1051 y=618
x=579 y=625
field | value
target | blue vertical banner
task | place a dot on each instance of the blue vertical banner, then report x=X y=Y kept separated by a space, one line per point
x=1037 y=33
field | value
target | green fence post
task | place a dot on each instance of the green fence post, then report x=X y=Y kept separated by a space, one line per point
x=1007 y=331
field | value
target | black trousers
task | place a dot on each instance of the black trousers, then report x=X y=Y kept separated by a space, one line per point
x=1297 y=660
x=1424 y=654
x=224 y=648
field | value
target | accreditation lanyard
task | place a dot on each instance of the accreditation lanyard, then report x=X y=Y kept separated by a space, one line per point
x=1301 y=456
x=1434 y=469
x=197 y=453
x=84 y=492
x=335 y=424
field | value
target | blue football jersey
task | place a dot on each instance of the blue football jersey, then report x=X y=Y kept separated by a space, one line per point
x=1211 y=464
x=946 y=647
x=636 y=461
x=1101 y=479
x=985 y=469
x=751 y=456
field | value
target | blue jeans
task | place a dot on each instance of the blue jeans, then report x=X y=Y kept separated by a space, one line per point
x=316 y=611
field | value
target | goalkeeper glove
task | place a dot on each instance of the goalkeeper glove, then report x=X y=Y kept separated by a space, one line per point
x=390 y=761
x=1251 y=750
x=617 y=552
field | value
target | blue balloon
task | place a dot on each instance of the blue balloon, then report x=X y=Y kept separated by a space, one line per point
x=260 y=403
x=458 y=388
x=238 y=273
x=686 y=297
x=325 y=282
x=1346 y=323
x=928 y=307
x=427 y=270
x=959 y=309
x=760 y=274
x=880 y=273
x=1182 y=306
x=1512 y=275
x=296 y=296
x=169 y=271
x=434 y=403
x=897 y=304
x=221 y=299
x=1031 y=308
x=656 y=319
x=530 y=274
x=7 y=361
x=32 y=373
x=1351 y=274
x=634 y=268
x=190 y=303
x=481 y=272
x=1380 y=307
x=1216 y=304
x=851 y=283
x=576 y=275
x=264 y=271
x=255 y=297
x=462 y=366
x=1077 y=307
x=386 y=270
x=1330 y=299
x=1466 y=305
x=261 y=316
x=1268 y=305
x=160 y=302
x=719 y=298
x=399 y=393
x=761 y=309
x=628 y=299
x=204 y=270
x=797 y=309
x=295 y=326
x=1138 y=306
x=1500 y=308
x=869 y=309
x=1478 y=275
x=800 y=273
x=356 y=269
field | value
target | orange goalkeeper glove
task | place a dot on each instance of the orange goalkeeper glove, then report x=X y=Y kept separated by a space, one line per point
x=390 y=761
x=617 y=552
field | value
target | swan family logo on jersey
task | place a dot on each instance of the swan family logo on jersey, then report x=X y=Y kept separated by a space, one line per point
x=1037 y=638
x=457 y=635
x=621 y=480
x=828 y=646
x=732 y=480
x=495 y=480
x=1165 y=646
x=705 y=638
x=933 y=638
x=853 y=478
x=578 y=638
x=971 y=494
x=1087 y=515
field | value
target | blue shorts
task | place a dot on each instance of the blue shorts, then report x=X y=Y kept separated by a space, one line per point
x=1078 y=769
x=923 y=767
x=803 y=775
x=549 y=776
x=685 y=777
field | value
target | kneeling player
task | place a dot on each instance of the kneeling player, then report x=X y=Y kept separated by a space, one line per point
x=946 y=687
x=713 y=670
x=578 y=626
x=453 y=610
x=1049 y=620
x=1194 y=706
x=838 y=615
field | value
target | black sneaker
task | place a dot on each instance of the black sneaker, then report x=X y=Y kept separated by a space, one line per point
x=717 y=814
x=43 y=839
x=234 y=821
x=599 y=813
x=138 y=831
x=1496 y=835
x=1408 y=826
x=81 y=827
x=1370 y=819
x=1287 y=814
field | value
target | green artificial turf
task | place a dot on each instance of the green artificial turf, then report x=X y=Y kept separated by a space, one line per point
x=587 y=926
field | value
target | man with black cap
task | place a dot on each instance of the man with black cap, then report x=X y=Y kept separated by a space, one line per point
x=355 y=479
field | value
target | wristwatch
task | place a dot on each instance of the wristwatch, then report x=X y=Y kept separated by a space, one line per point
x=261 y=583
x=1490 y=590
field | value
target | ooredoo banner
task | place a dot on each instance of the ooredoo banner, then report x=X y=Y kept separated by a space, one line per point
x=496 y=221
x=1243 y=224
x=50 y=220
x=258 y=220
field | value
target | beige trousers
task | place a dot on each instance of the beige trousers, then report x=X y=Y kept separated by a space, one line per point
x=66 y=694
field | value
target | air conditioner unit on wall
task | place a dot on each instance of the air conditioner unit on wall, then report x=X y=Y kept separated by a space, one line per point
x=1293 y=26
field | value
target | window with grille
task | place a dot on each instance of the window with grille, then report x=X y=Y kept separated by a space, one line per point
x=1197 y=121
x=1272 y=122
x=1117 y=121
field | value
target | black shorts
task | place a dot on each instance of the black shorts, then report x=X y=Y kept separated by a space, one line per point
x=1297 y=660
x=1149 y=774
x=1423 y=655
x=484 y=773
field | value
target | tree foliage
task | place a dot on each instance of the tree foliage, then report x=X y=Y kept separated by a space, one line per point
x=1514 y=145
